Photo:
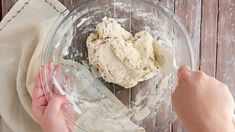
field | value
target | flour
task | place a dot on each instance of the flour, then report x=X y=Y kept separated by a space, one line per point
x=100 y=110
x=141 y=113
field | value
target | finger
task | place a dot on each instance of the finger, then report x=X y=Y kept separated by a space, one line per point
x=50 y=68
x=39 y=101
x=69 y=112
x=50 y=73
x=199 y=74
x=36 y=94
x=37 y=90
x=70 y=115
x=44 y=82
x=56 y=76
x=53 y=71
x=55 y=104
x=67 y=80
x=184 y=73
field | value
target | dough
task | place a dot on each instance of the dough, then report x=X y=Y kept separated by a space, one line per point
x=119 y=57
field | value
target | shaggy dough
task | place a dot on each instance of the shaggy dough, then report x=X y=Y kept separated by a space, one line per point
x=120 y=57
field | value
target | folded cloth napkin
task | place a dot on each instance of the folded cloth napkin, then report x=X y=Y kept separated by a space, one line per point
x=21 y=31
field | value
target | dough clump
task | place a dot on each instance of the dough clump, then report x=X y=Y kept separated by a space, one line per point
x=119 y=57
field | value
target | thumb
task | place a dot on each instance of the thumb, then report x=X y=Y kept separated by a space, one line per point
x=55 y=104
x=184 y=72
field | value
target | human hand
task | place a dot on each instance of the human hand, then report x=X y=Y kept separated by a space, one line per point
x=50 y=113
x=203 y=103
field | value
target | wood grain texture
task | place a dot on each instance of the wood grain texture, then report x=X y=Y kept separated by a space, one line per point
x=209 y=37
x=170 y=4
x=6 y=6
x=67 y=3
x=226 y=44
x=189 y=12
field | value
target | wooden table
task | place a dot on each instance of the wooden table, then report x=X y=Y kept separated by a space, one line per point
x=211 y=26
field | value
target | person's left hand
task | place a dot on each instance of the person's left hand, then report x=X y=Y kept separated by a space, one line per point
x=50 y=113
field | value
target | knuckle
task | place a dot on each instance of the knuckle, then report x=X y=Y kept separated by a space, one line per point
x=54 y=99
x=57 y=98
x=182 y=69
x=200 y=74
x=183 y=73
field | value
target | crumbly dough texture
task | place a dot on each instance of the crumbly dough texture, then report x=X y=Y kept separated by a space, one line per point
x=119 y=57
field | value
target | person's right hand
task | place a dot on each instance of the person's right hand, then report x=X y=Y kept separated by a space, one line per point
x=203 y=103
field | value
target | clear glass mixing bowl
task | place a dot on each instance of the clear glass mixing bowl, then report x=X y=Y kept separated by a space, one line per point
x=71 y=76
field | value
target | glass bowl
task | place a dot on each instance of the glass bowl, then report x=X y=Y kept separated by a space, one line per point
x=95 y=104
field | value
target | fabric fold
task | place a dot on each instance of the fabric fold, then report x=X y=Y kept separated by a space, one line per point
x=21 y=30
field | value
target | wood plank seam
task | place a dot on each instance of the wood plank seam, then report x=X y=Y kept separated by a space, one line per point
x=217 y=39
x=200 y=45
x=208 y=39
x=171 y=126
x=226 y=47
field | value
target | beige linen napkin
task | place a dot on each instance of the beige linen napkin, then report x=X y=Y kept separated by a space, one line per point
x=21 y=30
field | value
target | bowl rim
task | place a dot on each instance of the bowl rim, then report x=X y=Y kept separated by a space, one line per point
x=62 y=18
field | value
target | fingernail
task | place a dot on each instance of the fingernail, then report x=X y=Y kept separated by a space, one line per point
x=184 y=68
x=184 y=71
